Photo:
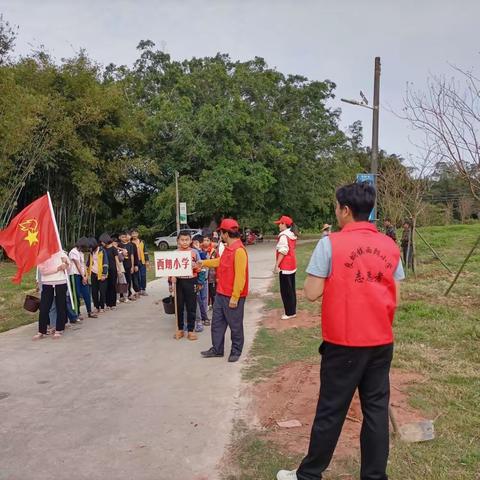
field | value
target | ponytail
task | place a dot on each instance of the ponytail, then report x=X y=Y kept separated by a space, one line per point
x=294 y=229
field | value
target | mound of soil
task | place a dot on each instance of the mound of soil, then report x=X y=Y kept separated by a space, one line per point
x=303 y=320
x=292 y=394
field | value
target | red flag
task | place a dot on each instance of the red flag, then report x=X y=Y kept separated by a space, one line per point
x=31 y=238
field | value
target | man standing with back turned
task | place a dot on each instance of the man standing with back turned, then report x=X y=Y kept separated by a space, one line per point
x=232 y=290
x=357 y=270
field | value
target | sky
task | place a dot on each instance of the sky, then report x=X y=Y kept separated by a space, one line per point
x=335 y=39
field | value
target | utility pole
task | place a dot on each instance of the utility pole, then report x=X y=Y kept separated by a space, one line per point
x=177 y=201
x=376 y=113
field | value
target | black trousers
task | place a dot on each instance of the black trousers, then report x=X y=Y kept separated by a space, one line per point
x=212 y=290
x=288 y=292
x=99 y=291
x=223 y=316
x=343 y=370
x=185 y=290
x=50 y=293
x=111 y=295
x=408 y=256
x=136 y=282
x=132 y=281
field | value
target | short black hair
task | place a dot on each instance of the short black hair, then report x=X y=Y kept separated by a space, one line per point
x=184 y=233
x=198 y=237
x=359 y=197
x=93 y=243
x=232 y=233
x=82 y=243
x=105 y=238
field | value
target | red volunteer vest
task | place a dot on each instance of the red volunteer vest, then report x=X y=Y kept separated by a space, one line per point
x=359 y=298
x=289 y=261
x=226 y=271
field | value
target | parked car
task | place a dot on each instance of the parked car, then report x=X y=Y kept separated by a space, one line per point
x=170 y=241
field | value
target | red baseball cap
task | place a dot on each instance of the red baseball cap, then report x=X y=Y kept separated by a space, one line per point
x=284 y=219
x=228 y=224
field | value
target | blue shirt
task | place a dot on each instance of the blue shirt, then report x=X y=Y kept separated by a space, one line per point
x=321 y=261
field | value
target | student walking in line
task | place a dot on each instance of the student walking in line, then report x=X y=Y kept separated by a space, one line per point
x=286 y=265
x=143 y=261
x=112 y=258
x=357 y=272
x=135 y=263
x=185 y=290
x=130 y=261
x=79 y=272
x=208 y=248
x=72 y=316
x=54 y=289
x=202 y=285
x=97 y=270
x=232 y=291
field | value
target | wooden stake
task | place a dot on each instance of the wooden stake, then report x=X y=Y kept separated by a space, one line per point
x=175 y=302
x=433 y=251
x=463 y=265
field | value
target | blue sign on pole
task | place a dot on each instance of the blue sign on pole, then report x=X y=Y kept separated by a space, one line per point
x=368 y=178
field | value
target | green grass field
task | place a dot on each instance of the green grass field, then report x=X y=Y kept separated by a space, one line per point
x=12 y=297
x=436 y=336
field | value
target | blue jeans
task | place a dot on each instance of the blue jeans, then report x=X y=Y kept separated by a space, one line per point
x=84 y=292
x=142 y=276
x=202 y=299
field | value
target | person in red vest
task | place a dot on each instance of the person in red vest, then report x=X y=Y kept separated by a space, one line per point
x=232 y=290
x=357 y=271
x=286 y=265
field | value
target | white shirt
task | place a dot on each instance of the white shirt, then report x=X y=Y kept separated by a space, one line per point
x=76 y=254
x=283 y=248
x=49 y=275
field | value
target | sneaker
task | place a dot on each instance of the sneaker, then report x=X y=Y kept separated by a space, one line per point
x=178 y=335
x=143 y=293
x=288 y=317
x=234 y=358
x=192 y=336
x=287 y=475
x=206 y=322
x=122 y=299
x=199 y=327
x=211 y=353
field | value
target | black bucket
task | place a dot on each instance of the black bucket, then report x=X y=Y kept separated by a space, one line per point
x=31 y=303
x=169 y=305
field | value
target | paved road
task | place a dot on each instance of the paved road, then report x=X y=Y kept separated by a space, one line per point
x=118 y=398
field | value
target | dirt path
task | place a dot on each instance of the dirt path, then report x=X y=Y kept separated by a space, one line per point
x=118 y=398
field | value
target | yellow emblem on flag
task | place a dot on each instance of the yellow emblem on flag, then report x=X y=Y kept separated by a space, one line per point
x=31 y=227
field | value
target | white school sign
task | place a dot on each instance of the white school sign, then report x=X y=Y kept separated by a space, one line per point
x=173 y=264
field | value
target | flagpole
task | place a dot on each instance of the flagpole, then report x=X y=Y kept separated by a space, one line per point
x=69 y=287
